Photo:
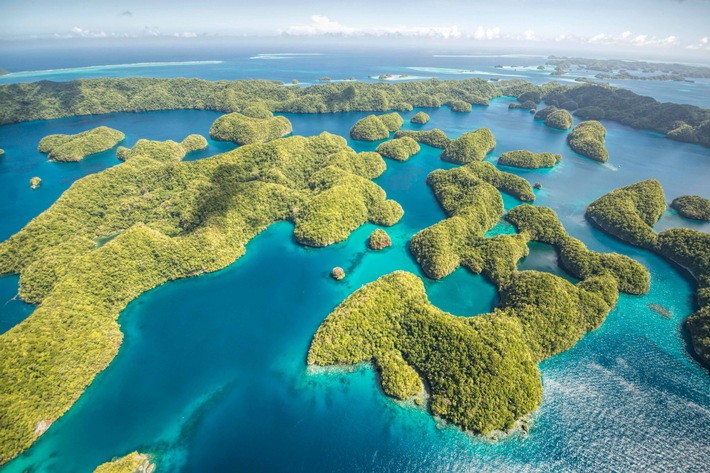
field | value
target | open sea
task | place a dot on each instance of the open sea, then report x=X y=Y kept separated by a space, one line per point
x=211 y=376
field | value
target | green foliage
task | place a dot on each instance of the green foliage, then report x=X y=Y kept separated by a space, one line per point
x=459 y=106
x=533 y=96
x=480 y=371
x=434 y=138
x=471 y=146
x=590 y=113
x=399 y=149
x=527 y=105
x=420 y=118
x=257 y=110
x=35 y=182
x=68 y=148
x=587 y=139
x=560 y=119
x=132 y=463
x=545 y=112
x=692 y=206
x=370 y=128
x=194 y=142
x=541 y=224
x=628 y=213
x=528 y=159
x=379 y=239
x=120 y=232
x=393 y=121
x=244 y=130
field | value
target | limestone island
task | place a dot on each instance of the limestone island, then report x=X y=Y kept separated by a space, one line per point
x=243 y=130
x=35 y=182
x=528 y=159
x=72 y=148
x=375 y=128
x=471 y=146
x=159 y=220
x=459 y=106
x=692 y=206
x=628 y=213
x=337 y=273
x=481 y=373
x=420 y=118
x=435 y=138
x=164 y=151
x=379 y=239
x=560 y=119
x=399 y=149
x=132 y=463
x=587 y=139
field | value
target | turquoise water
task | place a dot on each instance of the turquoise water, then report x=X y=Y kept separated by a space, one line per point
x=211 y=375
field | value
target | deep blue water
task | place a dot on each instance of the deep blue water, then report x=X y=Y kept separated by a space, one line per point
x=211 y=375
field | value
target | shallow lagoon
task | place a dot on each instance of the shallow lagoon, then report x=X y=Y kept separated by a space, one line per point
x=212 y=377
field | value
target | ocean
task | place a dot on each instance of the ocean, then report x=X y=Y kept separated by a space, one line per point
x=211 y=375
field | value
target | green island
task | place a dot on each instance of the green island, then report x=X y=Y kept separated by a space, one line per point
x=435 y=138
x=692 y=206
x=120 y=232
x=470 y=198
x=420 y=118
x=337 y=273
x=560 y=119
x=132 y=463
x=525 y=105
x=629 y=213
x=471 y=146
x=72 y=148
x=163 y=151
x=46 y=100
x=545 y=112
x=243 y=129
x=459 y=106
x=399 y=149
x=379 y=240
x=375 y=128
x=35 y=182
x=479 y=373
x=529 y=160
x=587 y=139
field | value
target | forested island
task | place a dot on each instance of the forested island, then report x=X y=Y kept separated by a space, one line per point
x=118 y=233
x=619 y=69
x=629 y=214
x=391 y=323
x=376 y=127
x=587 y=139
x=45 y=100
x=692 y=206
x=529 y=160
x=399 y=149
x=68 y=148
x=132 y=463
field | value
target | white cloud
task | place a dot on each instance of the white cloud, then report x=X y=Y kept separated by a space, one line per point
x=640 y=40
x=322 y=25
x=704 y=43
x=486 y=33
x=76 y=31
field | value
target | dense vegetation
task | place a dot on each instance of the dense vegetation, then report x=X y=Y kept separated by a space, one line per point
x=469 y=197
x=420 y=118
x=587 y=139
x=460 y=106
x=434 y=138
x=68 y=148
x=630 y=212
x=560 y=119
x=471 y=146
x=370 y=128
x=44 y=100
x=393 y=121
x=244 y=130
x=118 y=233
x=379 y=239
x=692 y=206
x=545 y=112
x=481 y=371
x=163 y=151
x=528 y=159
x=400 y=149
x=132 y=463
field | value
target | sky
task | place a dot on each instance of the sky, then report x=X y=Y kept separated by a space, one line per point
x=669 y=26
